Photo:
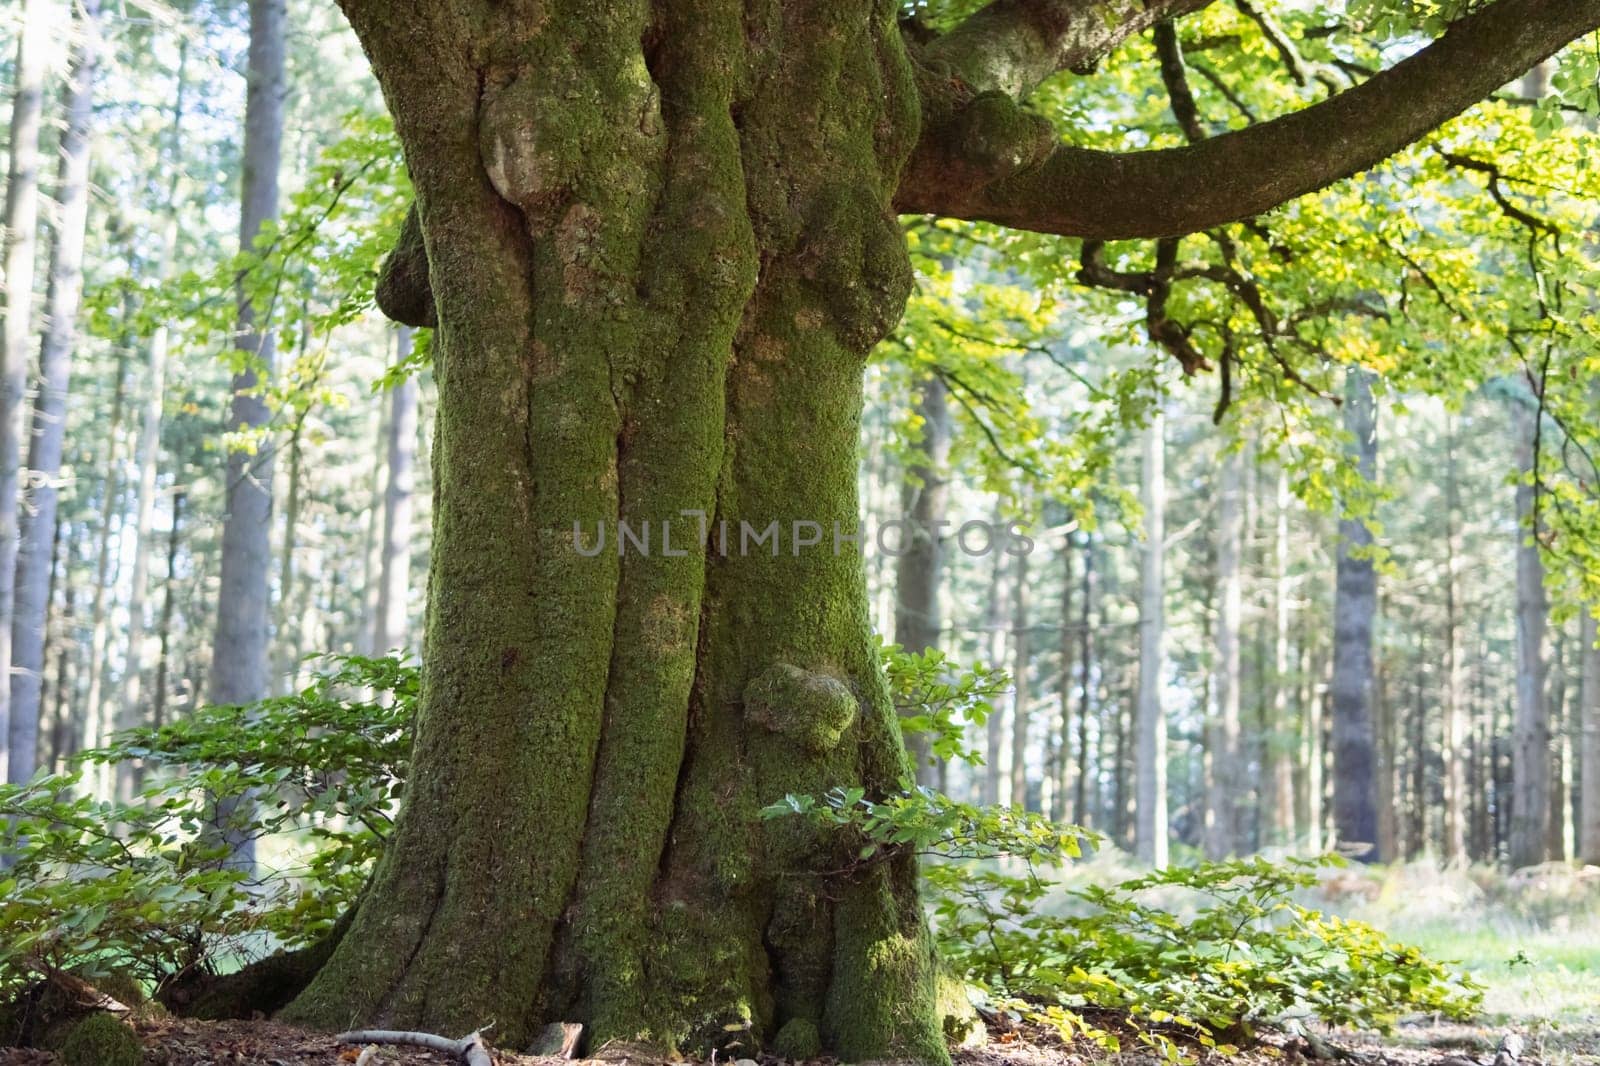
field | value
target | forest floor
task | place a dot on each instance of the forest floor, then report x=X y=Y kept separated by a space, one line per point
x=184 y=1042
x=1531 y=940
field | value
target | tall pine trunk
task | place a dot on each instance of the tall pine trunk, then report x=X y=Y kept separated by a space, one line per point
x=130 y=709
x=1589 y=743
x=1528 y=833
x=1226 y=785
x=1353 y=688
x=1281 y=735
x=1150 y=750
x=37 y=526
x=20 y=252
x=1022 y=696
x=239 y=661
x=394 y=571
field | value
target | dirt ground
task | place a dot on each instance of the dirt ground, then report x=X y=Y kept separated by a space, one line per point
x=181 y=1042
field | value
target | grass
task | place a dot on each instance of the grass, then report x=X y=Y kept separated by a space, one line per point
x=1532 y=939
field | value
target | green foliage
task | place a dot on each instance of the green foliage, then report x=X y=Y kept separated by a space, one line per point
x=1237 y=953
x=926 y=823
x=144 y=887
x=935 y=696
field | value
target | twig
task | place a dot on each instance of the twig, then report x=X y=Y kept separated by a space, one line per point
x=469 y=1049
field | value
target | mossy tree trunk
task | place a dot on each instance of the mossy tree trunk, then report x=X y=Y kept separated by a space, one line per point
x=657 y=239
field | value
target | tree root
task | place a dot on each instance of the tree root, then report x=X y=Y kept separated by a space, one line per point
x=470 y=1049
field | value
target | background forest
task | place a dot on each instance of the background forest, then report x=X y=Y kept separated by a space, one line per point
x=1312 y=500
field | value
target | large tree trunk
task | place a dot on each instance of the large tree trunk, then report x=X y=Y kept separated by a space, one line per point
x=37 y=527
x=1355 y=605
x=660 y=239
x=20 y=251
x=924 y=501
x=1226 y=784
x=1530 y=740
x=655 y=288
x=239 y=661
x=1150 y=750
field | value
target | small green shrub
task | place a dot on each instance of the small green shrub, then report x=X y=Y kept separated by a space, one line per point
x=1240 y=954
x=143 y=889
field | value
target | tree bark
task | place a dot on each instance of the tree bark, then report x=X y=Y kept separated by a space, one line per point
x=239 y=662
x=20 y=251
x=924 y=501
x=996 y=786
x=1281 y=733
x=1226 y=784
x=95 y=723
x=36 y=529
x=647 y=307
x=169 y=585
x=1453 y=747
x=1061 y=809
x=1589 y=743
x=1530 y=742
x=1355 y=605
x=1150 y=802
x=394 y=580
x=1021 y=694
x=130 y=711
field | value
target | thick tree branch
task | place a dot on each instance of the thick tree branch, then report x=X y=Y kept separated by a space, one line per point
x=1010 y=46
x=1109 y=195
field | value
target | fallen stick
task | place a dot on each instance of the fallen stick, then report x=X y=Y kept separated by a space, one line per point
x=469 y=1049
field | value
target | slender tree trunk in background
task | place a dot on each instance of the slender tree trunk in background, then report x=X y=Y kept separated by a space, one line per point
x=169 y=585
x=239 y=660
x=20 y=252
x=285 y=649
x=37 y=525
x=1452 y=748
x=996 y=783
x=1021 y=652
x=130 y=711
x=96 y=723
x=924 y=501
x=1530 y=751
x=1062 y=808
x=1281 y=739
x=1589 y=743
x=1556 y=701
x=1080 y=808
x=395 y=570
x=1150 y=803
x=1417 y=759
x=1356 y=767
x=1227 y=780
x=1310 y=784
x=372 y=553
